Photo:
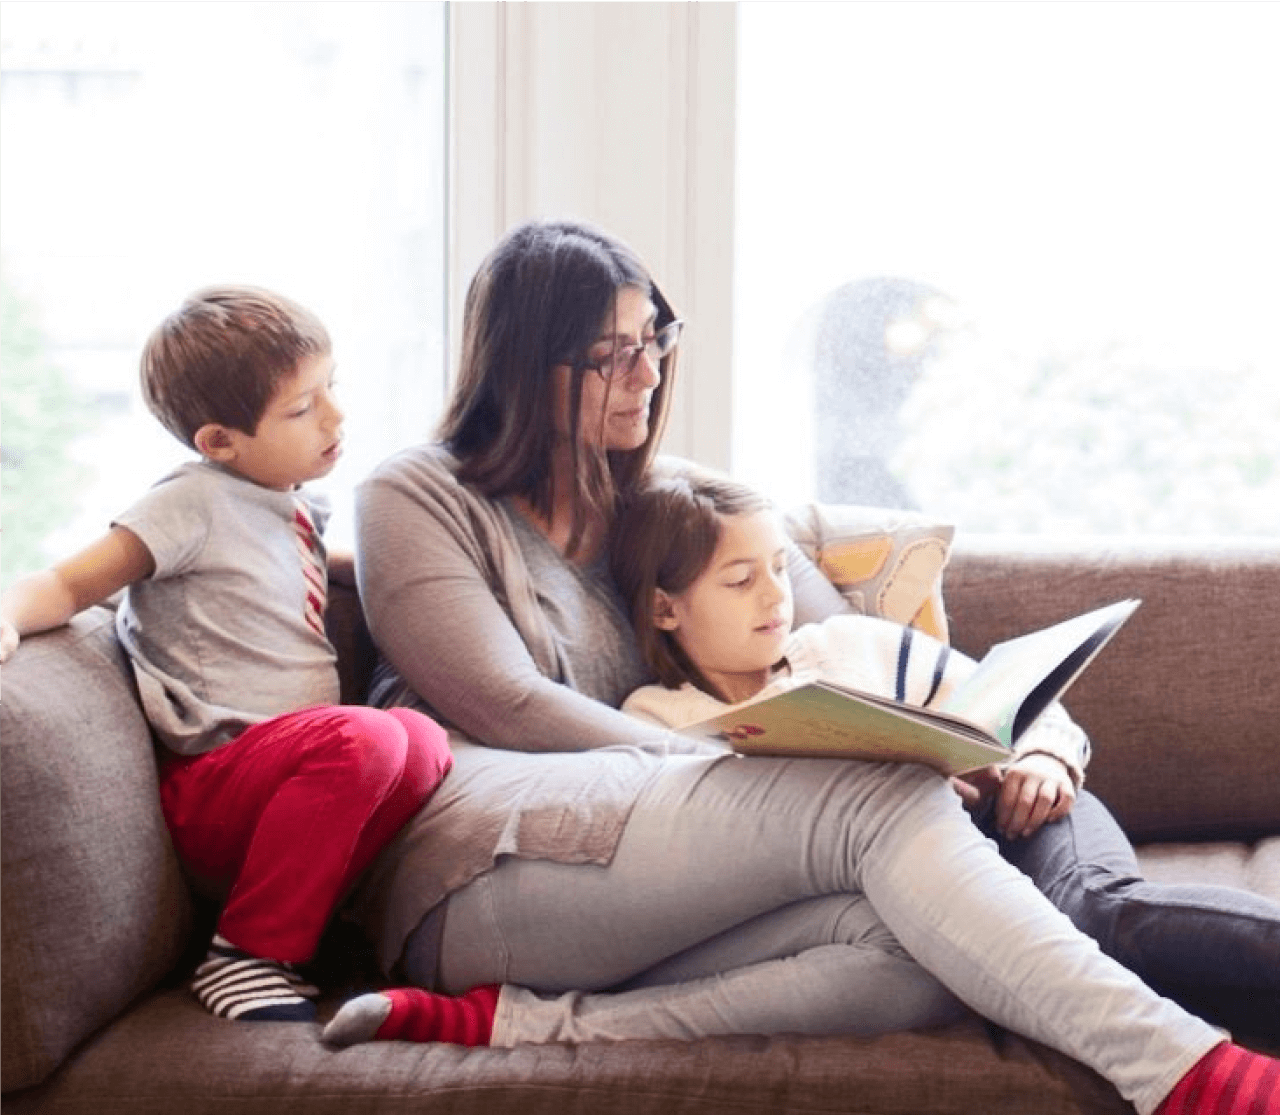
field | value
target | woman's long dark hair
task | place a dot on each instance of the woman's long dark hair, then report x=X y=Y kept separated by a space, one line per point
x=539 y=300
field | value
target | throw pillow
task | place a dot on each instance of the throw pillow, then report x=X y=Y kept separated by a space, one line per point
x=885 y=563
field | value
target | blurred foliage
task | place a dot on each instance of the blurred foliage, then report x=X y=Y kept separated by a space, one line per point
x=41 y=414
x=1103 y=441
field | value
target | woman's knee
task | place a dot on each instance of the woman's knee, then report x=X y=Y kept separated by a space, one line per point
x=857 y=923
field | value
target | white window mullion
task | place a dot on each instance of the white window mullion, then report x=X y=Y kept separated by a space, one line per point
x=622 y=115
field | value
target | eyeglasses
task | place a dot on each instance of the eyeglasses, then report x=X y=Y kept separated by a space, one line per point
x=622 y=361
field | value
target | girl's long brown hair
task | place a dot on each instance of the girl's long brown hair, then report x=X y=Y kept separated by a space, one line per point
x=664 y=537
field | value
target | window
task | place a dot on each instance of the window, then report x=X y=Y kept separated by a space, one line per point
x=151 y=149
x=1013 y=264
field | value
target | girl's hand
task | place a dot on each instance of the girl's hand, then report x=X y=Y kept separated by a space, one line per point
x=1037 y=788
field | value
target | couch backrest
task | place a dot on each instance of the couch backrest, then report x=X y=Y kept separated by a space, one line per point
x=1183 y=706
x=345 y=625
x=95 y=910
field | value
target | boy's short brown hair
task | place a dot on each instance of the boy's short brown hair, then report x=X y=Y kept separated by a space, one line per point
x=221 y=354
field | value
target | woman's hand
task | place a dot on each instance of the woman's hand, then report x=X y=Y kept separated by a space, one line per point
x=1036 y=788
x=977 y=787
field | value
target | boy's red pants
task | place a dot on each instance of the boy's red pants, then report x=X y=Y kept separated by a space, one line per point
x=288 y=813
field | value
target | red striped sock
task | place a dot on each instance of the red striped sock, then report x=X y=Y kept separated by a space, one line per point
x=1229 y=1080
x=418 y=1015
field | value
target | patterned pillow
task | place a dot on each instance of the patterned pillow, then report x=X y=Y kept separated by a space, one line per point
x=884 y=562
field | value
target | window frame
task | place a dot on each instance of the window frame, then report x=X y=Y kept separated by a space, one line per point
x=619 y=114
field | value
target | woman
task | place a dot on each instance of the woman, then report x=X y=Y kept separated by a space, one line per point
x=641 y=856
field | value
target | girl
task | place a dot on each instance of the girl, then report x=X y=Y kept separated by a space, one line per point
x=701 y=561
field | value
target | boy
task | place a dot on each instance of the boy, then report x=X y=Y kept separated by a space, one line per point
x=273 y=793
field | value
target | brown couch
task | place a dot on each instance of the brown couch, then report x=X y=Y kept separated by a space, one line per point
x=100 y=929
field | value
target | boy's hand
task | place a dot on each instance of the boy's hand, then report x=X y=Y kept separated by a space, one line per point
x=1037 y=788
x=8 y=639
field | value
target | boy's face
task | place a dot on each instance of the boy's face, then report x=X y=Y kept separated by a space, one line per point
x=733 y=621
x=299 y=436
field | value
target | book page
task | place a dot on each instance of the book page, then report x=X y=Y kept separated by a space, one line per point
x=820 y=721
x=996 y=694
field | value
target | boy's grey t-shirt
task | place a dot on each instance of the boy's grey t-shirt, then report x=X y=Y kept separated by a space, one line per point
x=218 y=635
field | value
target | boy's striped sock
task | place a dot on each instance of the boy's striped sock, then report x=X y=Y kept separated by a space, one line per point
x=411 y=1014
x=1229 y=1080
x=232 y=984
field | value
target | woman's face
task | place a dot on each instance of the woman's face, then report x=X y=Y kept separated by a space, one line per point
x=615 y=407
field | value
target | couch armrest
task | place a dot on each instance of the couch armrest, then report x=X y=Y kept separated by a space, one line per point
x=95 y=910
x=1182 y=707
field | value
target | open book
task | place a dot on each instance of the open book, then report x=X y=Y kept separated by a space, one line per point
x=975 y=727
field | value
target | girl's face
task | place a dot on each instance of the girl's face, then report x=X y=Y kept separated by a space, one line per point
x=615 y=406
x=734 y=619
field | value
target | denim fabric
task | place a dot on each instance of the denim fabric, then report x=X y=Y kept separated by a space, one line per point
x=824 y=965
x=712 y=846
x=1212 y=949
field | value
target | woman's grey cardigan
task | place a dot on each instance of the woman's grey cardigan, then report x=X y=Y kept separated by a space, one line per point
x=449 y=602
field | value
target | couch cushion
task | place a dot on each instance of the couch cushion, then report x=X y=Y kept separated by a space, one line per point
x=1253 y=867
x=95 y=911
x=169 y=1056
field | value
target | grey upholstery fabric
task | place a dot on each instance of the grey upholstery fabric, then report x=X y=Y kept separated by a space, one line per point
x=95 y=911
x=169 y=1057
